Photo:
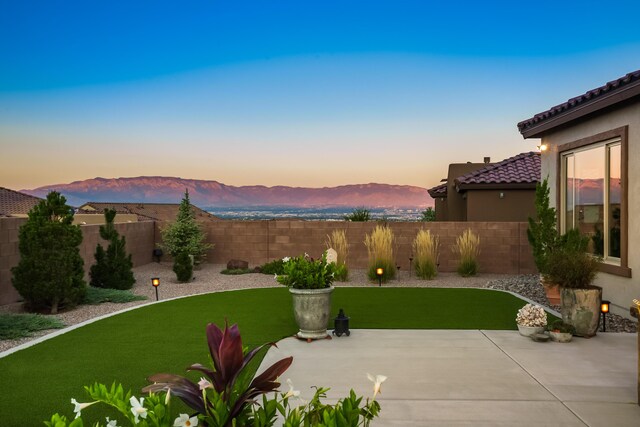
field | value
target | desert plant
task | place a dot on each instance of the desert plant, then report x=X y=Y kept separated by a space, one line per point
x=467 y=248
x=50 y=272
x=14 y=326
x=569 y=265
x=542 y=233
x=358 y=215
x=113 y=267
x=428 y=215
x=302 y=272
x=426 y=250
x=338 y=241
x=380 y=249
x=273 y=267
x=183 y=267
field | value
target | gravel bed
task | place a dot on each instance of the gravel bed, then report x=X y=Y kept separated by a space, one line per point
x=208 y=279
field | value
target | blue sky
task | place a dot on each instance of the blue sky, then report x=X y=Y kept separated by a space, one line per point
x=290 y=93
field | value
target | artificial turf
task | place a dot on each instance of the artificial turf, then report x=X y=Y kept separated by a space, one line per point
x=168 y=337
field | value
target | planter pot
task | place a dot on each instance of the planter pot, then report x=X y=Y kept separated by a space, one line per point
x=552 y=290
x=581 y=308
x=312 y=308
x=560 y=336
x=527 y=331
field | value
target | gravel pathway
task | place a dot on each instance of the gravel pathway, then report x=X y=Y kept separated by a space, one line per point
x=208 y=279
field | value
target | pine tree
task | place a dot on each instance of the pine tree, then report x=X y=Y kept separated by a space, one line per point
x=542 y=232
x=113 y=266
x=50 y=273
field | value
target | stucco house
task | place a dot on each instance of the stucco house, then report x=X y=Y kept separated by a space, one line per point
x=591 y=153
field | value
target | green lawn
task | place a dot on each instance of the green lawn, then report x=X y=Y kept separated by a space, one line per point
x=167 y=337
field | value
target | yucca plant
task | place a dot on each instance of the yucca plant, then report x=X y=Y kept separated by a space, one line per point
x=426 y=251
x=338 y=241
x=380 y=245
x=467 y=247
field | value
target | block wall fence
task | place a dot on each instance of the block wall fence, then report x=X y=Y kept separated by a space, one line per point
x=504 y=246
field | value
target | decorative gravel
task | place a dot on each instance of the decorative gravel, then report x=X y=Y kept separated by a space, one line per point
x=208 y=279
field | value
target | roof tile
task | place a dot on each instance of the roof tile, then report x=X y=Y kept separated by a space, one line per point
x=521 y=169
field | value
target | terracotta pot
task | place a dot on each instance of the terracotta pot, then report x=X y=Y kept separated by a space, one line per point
x=552 y=290
x=581 y=308
x=312 y=308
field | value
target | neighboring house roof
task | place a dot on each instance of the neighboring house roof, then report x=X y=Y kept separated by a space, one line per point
x=148 y=211
x=616 y=91
x=438 y=191
x=521 y=171
x=15 y=203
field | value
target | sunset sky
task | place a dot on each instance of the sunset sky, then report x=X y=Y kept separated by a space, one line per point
x=297 y=93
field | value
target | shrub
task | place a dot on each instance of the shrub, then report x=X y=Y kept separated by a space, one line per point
x=50 y=273
x=183 y=267
x=358 y=215
x=380 y=245
x=425 y=250
x=274 y=267
x=14 y=326
x=113 y=267
x=467 y=247
x=303 y=272
x=569 y=265
x=561 y=326
x=428 y=215
x=96 y=296
x=542 y=233
x=338 y=241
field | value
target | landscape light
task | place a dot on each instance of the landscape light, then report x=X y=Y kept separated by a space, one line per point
x=155 y=281
x=410 y=261
x=341 y=323
x=604 y=309
x=379 y=273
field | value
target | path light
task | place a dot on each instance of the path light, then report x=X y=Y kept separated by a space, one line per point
x=156 y=282
x=604 y=309
x=410 y=261
x=341 y=323
x=379 y=273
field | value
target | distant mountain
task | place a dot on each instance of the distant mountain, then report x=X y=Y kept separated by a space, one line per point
x=206 y=194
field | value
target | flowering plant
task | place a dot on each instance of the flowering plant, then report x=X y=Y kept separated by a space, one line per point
x=531 y=315
x=303 y=272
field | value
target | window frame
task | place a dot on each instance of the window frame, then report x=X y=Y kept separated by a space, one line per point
x=608 y=138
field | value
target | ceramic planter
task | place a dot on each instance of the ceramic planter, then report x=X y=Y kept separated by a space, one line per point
x=581 y=308
x=560 y=336
x=527 y=331
x=312 y=308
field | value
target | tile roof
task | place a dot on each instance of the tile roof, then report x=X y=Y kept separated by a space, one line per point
x=148 y=211
x=603 y=95
x=521 y=169
x=16 y=203
x=438 y=191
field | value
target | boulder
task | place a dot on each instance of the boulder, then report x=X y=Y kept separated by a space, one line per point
x=237 y=264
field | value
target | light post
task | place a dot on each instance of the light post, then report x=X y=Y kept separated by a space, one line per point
x=155 y=282
x=379 y=273
x=604 y=309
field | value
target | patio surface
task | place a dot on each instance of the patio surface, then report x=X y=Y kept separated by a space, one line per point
x=472 y=377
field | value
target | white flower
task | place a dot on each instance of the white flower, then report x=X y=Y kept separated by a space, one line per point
x=291 y=392
x=204 y=383
x=275 y=276
x=167 y=397
x=377 y=382
x=111 y=423
x=80 y=406
x=286 y=259
x=184 y=421
x=137 y=409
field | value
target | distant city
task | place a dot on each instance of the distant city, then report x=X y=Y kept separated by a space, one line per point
x=316 y=214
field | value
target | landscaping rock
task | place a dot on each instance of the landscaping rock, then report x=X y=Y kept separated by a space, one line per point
x=237 y=264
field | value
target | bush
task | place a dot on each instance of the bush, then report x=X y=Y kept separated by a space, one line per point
x=467 y=247
x=14 y=326
x=358 y=215
x=425 y=250
x=338 y=241
x=428 y=215
x=50 y=273
x=569 y=265
x=183 y=267
x=303 y=272
x=380 y=245
x=112 y=268
x=560 y=326
x=273 y=267
x=96 y=296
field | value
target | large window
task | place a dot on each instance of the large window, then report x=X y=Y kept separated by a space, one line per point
x=591 y=194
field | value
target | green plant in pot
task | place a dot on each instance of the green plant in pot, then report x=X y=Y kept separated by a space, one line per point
x=560 y=331
x=574 y=270
x=309 y=282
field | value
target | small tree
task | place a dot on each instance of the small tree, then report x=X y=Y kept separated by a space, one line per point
x=184 y=236
x=50 y=273
x=113 y=266
x=542 y=233
x=428 y=215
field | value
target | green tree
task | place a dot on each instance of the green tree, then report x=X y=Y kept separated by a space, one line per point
x=428 y=215
x=358 y=215
x=542 y=232
x=113 y=266
x=184 y=237
x=50 y=273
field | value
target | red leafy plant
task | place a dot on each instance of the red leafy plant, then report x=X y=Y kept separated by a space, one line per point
x=225 y=396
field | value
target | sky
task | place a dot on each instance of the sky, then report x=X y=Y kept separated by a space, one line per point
x=297 y=93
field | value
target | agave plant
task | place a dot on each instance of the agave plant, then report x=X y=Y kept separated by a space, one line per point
x=232 y=379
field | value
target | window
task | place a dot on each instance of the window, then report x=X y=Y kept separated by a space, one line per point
x=593 y=194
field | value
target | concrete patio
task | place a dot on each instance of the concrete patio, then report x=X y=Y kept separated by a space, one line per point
x=471 y=377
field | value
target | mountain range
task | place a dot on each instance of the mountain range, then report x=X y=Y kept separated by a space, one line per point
x=207 y=194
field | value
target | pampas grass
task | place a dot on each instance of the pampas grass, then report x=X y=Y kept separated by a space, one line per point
x=426 y=250
x=380 y=245
x=467 y=247
x=338 y=241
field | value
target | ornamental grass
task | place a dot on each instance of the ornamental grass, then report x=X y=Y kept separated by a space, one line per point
x=426 y=249
x=467 y=248
x=338 y=241
x=380 y=244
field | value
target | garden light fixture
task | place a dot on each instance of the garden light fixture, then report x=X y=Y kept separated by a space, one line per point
x=604 y=309
x=379 y=273
x=542 y=147
x=155 y=281
x=410 y=261
x=341 y=323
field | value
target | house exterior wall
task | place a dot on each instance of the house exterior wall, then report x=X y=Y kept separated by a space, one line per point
x=456 y=202
x=619 y=290
x=487 y=205
x=440 y=205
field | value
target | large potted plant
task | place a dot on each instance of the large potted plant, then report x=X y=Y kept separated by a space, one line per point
x=574 y=270
x=309 y=282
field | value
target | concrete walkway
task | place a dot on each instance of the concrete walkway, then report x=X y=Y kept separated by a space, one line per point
x=490 y=378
